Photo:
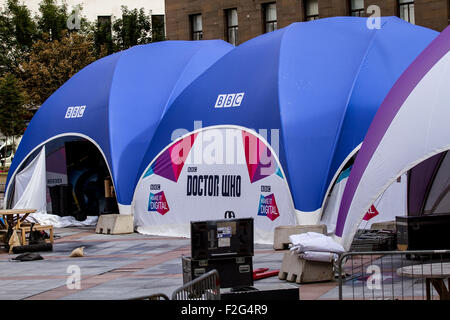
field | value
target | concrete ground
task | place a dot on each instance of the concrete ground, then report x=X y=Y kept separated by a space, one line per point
x=134 y=265
x=114 y=267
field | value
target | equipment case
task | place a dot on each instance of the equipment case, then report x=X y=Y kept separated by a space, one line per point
x=427 y=232
x=219 y=239
x=233 y=272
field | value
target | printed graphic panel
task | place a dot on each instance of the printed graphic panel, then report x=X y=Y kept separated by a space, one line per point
x=208 y=174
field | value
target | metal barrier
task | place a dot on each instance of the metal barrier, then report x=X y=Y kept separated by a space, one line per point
x=156 y=296
x=394 y=275
x=205 y=287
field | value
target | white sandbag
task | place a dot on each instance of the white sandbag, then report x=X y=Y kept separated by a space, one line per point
x=313 y=241
x=319 y=256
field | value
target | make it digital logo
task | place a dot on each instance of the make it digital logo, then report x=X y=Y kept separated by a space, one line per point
x=229 y=100
x=268 y=207
x=158 y=203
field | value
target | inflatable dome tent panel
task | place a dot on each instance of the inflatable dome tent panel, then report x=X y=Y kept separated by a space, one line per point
x=410 y=132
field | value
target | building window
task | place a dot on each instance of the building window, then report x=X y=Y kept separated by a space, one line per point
x=311 y=10
x=103 y=34
x=196 y=27
x=406 y=10
x=270 y=16
x=158 y=30
x=232 y=26
x=357 y=8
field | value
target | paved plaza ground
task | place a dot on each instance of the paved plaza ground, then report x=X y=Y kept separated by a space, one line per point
x=114 y=267
x=133 y=265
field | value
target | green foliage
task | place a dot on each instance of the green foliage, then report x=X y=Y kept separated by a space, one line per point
x=38 y=54
x=13 y=112
x=132 y=29
x=17 y=33
x=51 y=64
x=52 y=19
x=103 y=40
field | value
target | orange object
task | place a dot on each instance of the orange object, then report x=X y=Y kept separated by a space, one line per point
x=262 y=273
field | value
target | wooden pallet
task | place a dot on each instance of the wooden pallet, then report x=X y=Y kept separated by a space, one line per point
x=24 y=229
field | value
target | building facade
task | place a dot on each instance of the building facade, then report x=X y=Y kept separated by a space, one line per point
x=237 y=21
x=94 y=8
x=104 y=12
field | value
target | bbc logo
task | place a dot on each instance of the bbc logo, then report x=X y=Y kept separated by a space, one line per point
x=75 y=112
x=229 y=100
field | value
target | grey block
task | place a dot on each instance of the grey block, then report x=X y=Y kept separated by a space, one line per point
x=296 y=269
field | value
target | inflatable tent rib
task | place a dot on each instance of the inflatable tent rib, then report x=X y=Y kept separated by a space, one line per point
x=410 y=131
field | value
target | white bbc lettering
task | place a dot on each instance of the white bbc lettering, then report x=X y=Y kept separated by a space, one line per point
x=238 y=99
x=69 y=112
x=81 y=111
x=75 y=112
x=229 y=100
x=220 y=100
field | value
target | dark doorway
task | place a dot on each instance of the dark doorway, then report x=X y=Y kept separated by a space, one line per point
x=86 y=173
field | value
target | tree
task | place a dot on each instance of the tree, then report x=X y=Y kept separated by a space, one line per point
x=132 y=29
x=103 y=41
x=13 y=113
x=52 y=19
x=17 y=33
x=50 y=64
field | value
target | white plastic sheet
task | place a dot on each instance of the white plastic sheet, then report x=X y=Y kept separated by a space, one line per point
x=313 y=241
x=319 y=256
x=30 y=185
x=46 y=219
x=315 y=246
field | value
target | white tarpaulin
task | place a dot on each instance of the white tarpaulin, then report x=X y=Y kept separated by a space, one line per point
x=30 y=185
x=313 y=241
x=46 y=219
x=315 y=246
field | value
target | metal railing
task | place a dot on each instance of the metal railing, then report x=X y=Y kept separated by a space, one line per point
x=156 y=296
x=205 y=287
x=394 y=275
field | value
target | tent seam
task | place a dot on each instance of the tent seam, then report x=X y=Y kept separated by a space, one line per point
x=285 y=146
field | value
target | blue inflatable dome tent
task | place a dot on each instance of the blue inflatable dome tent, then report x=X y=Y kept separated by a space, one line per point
x=295 y=103
x=114 y=103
